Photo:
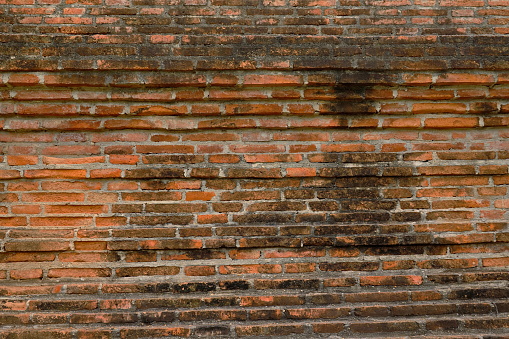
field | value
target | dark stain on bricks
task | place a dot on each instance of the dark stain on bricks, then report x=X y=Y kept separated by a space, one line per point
x=158 y=288
x=234 y=285
x=194 y=287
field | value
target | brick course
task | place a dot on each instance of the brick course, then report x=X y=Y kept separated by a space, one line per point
x=293 y=168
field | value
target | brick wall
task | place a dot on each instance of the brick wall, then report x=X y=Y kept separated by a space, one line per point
x=254 y=168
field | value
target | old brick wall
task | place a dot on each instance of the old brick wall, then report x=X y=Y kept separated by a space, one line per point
x=309 y=168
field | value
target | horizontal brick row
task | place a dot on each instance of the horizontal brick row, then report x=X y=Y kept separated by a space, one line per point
x=326 y=287
x=353 y=123
x=484 y=62
x=64 y=84
x=218 y=13
x=260 y=109
x=373 y=171
x=439 y=326
x=121 y=270
x=264 y=216
x=467 y=300
x=100 y=37
x=279 y=256
x=228 y=89
x=321 y=230
x=120 y=311
x=363 y=52
x=70 y=157
x=258 y=237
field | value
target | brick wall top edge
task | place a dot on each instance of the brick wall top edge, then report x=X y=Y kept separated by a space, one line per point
x=222 y=35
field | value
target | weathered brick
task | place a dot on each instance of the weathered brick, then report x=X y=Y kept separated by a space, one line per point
x=119 y=168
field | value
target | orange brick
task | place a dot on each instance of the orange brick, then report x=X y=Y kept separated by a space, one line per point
x=204 y=196
x=21 y=160
x=212 y=219
x=106 y=173
x=272 y=80
x=79 y=272
x=450 y=79
x=61 y=221
x=26 y=274
x=440 y=108
x=300 y=172
x=57 y=173
x=23 y=79
x=73 y=161
x=50 y=110
x=253 y=109
x=199 y=270
x=504 y=203
x=495 y=262
x=451 y=123
x=417 y=79
x=402 y=123
x=398 y=280
x=26 y=209
x=300 y=267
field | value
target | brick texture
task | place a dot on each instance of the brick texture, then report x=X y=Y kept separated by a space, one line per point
x=204 y=168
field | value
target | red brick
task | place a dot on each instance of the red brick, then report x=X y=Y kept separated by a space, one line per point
x=224 y=158
x=495 y=262
x=391 y=280
x=155 y=332
x=230 y=94
x=199 y=270
x=253 y=109
x=250 y=269
x=317 y=313
x=244 y=254
x=256 y=158
x=147 y=271
x=225 y=80
x=79 y=272
x=73 y=161
x=10 y=174
x=268 y=330
x=21 y=160
x=377 y=327
x=203 y=196
x=300 y=172
x=451 y=123
x=272 y=80
x=26 y=274
x=37 y=246
x=87 y=257
x=465 y=79
x=50 y=110
x=300 y=267
x=328 y=327
x=280 y=300
x=376 y=297
x=440 y=108
x=61 y=221
x=417 y=79
x=23 y=79
x=448 y=263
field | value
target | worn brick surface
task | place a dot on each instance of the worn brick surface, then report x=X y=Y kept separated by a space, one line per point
x=214 y=168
